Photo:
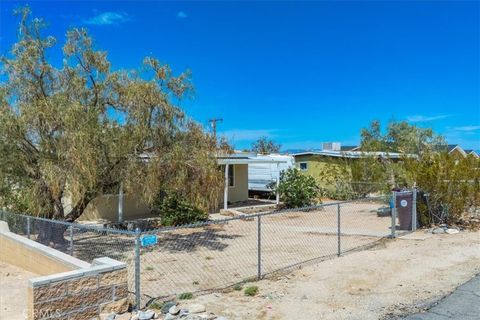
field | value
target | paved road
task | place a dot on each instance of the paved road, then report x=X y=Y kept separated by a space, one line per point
x=462 y=304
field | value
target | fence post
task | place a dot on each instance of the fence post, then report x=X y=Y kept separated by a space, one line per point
x=28 y=227
x=414 y=210
x=394 y=214
x=71 y=239
x=259 y=247
x=137 y=269
x=339 y=248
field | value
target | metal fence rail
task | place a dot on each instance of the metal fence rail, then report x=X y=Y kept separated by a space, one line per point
x=217 y=253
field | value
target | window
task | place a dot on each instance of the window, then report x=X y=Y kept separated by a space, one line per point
x=303 y=166
x=231 y=176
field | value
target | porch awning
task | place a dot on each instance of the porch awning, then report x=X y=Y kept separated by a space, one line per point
x=247 y=160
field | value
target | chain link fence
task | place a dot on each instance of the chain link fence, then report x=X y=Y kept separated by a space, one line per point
x=218 y=253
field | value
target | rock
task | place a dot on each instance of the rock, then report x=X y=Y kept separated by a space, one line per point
x=167 y=306
x=196 y=308
x=125 y=316
x=384 y=212
x=174 y=310
x=452 y=231
x=221 y=318
x=146 y=315
x=108 y=316
x=169 y=316
x=196 y=317
x=183 y=313
x=439 y=230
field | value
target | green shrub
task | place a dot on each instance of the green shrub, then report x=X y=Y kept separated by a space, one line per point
x=185 y=296
x=297 y=189
x=251 y=291
x=156 y=304
x=237 y=287
x=452 y=183
x=175 y=210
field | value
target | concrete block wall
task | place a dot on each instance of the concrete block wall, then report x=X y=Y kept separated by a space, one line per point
x=68 y=288
x=35 y=257
x=80 y=294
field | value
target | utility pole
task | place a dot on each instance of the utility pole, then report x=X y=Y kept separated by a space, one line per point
x=213 y=123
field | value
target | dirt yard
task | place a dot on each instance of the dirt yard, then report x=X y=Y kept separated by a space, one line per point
x=192 y=260
x=394 y=278
x=13 y=291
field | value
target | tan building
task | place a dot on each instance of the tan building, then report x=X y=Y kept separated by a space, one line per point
x=111 y=208
x=106 y=207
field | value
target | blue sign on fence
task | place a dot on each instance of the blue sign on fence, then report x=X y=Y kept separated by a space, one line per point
x=148 y=240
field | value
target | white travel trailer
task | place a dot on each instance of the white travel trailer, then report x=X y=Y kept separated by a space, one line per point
x=260 y=175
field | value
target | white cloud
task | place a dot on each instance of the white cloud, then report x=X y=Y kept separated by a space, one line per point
x=182 y=15
x=466 y=128
x=466 y=136
x=107 y=18
x=245 y=135
x=421 y=118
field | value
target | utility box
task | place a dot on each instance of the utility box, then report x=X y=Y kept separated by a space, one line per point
x=404 y=207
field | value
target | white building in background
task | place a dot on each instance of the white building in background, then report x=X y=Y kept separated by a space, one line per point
x=261 y=174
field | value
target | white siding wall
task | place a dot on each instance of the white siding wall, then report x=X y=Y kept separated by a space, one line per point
x=262 y=174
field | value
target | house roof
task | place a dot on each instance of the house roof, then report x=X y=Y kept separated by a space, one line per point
x=472 y=152
x=246 y=160
x=354 y=154
x=349 y=148
x=453 y=147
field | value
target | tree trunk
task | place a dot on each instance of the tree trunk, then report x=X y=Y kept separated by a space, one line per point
x=78 y=209
x=51 y=234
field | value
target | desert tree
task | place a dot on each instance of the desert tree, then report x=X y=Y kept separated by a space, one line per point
x=401 y=137
x=74 y=130
x=265 y=145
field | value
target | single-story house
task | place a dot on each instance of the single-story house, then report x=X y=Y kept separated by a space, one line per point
x=324 y=164
x=311 y=161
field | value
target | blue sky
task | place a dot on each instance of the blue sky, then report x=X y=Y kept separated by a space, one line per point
x=298 y=72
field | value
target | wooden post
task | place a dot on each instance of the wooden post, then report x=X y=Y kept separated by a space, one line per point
x=120 y=204
x=277 y=194
x=225 y=191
